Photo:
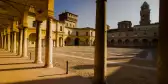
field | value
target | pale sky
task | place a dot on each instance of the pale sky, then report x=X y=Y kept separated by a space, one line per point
x=117 y=10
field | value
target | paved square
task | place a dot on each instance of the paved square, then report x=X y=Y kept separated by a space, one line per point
x=122 y=63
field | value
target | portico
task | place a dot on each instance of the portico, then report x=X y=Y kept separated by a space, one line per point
x=44 y=12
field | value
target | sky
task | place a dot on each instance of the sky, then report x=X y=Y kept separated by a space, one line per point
x=117 y=10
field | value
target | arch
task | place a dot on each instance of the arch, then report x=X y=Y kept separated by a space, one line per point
x=32 y=40
x=112 y=42
x=135 y=41
x=32 y=37
x=68 y=41
x=87 y=41
x=119 y=41
x=127 y=41
x=76 y=42
x=155 y=42
x=145 y=42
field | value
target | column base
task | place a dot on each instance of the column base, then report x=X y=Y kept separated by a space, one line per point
x=48 y=66
x=38 y=62
x=19 y=54
x=14 y=52
x=24 y=56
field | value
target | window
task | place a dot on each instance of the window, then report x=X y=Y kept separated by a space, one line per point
x=145 y=33
x=91 y=34
x=70 y=25
x=66 y=24
x=60 y=28
x=77 y=33
x=34 y=23
x=86 y=33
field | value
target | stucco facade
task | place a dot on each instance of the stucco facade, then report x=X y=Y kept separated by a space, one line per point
x=64 y=32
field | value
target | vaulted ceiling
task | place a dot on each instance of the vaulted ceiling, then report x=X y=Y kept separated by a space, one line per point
x=10 y=9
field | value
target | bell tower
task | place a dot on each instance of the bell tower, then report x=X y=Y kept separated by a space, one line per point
x=145 y=14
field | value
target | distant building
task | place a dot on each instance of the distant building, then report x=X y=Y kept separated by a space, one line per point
x=143 y=35
x=65 y=31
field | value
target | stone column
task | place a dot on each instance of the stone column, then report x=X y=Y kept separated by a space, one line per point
x=11 y=37
x=101 y=44
x=57 y=41
x=5 y=44
x=54 y=43
x=38 y=48
x=2 y=40
x=24 y=49
x=20 y=42
x=163 y=47
x=63 y=43
x=9 y=42
x=14 y=42
x=49 y=45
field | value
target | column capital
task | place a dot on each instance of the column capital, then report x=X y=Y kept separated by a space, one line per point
x=1 y=33
x=39 y=21
x=21 y=26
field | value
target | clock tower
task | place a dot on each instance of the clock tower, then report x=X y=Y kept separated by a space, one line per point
x=145 y=14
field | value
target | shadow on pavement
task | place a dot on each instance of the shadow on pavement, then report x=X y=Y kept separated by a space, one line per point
x=67 y=80
x=24 y=68
x=17 y=63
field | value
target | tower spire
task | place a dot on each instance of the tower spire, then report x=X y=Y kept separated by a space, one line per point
x=145 y=14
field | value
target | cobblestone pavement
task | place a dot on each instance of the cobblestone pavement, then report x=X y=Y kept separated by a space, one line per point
x=120 y=60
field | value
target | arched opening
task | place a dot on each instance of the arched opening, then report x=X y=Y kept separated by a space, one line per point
x=77 y=41
x=68 y=41
x=127 y=41
x=136 y=42
x=94 y=43
x=155 y=42
x=87 y=41
x=60 y=42
x=145 y=42
x=32 y=40
x=119 y=41
x=112 y=42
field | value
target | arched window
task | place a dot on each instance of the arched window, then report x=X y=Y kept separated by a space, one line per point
x=135 y=41
x=127 y=41
x=112 y=41
x=119 y=41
